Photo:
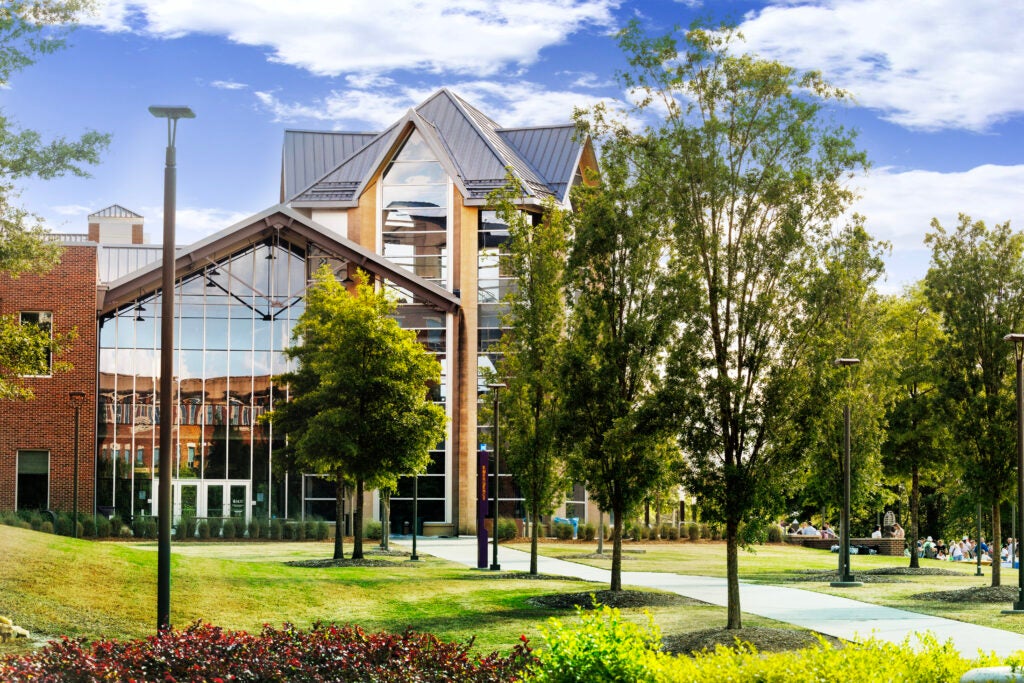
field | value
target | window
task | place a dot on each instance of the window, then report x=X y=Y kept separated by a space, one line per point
x=33 y=480
x=44 y=321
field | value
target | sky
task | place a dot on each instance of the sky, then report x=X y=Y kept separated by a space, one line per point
x=936 y=93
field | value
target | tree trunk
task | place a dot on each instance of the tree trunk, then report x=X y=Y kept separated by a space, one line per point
x=732 y=570
x=339 y=515
x=995 y=543
x=600 y=532
x=915 y=522
x=385 y=522
x=534 y=536
x=357 y=522
x=616 y=548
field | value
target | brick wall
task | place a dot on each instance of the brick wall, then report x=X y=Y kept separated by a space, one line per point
x=884 y=546
x=47 y=422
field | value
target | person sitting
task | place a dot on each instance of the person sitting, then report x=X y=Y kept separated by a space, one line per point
x=928 y=549
x=827 y=531
x=941 y=552
x=877 y=533
x=956 y=553
x=807 y=529
x=897 y=531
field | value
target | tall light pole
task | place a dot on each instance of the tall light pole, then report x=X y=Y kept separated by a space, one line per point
x=495 y=388
x=1017 y=339
x=77 y=399
x=163 y=571
x=845 y=577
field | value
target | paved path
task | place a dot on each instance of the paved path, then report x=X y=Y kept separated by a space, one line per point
x=832 y=615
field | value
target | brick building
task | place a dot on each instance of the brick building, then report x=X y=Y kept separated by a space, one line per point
x=408 y=205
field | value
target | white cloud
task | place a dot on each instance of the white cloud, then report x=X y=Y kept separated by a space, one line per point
x=333 y=38
x=73 y=210
x=192 y=223
x=520 y=104
x=228 y=85
x=925 y=65
x=899 y=207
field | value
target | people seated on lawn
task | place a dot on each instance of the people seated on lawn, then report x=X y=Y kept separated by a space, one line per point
x=956 y=553
x=898 y=531
x=941 y=551
x=928 y=548
x=807 y=529
x=828 y=532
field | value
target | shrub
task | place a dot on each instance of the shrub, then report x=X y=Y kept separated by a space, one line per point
x=46 y=527
x=309 y=527
x=275 y=529
x=139 y=527
x=563 y=531
x=186 y=529
x=63 y=525
x=298 y=531
x=774 y=533
x=255 y=528
x=323 y=531
x=716 y=532
x=150 y=528
x=115 y=526
x=10 y=518
x=227 y=530
x=216 y=526
x=605 y=648
x=673 y=532
x=693 y=531
x=588 y=531
x=204 y=530
x=705 y=531
x=325 y=653
x=102 y=527
x=371 y=531
x=602 y=647
x=88 y=527
x=507 y=529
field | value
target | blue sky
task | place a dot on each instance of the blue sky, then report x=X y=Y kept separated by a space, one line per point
x=937 y=88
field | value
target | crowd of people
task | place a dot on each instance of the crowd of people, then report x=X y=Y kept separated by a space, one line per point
x=966 y=550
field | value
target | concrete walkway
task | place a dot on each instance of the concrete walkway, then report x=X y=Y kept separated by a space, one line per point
x=835 y=616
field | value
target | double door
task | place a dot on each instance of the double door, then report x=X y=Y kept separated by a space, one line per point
x=210 y=498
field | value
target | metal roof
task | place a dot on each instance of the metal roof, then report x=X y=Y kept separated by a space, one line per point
x=308 y=155
x=114 y=211
x=289 y=224
x=478 y=151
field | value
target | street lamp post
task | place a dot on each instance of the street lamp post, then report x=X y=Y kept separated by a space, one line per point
x=163 y=572
x=495 y=388
x=415 y=513
x=77 y=399
x=1017 y=339
x=845 y=577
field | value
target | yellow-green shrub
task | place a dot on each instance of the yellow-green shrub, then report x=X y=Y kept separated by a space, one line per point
x=604 y=647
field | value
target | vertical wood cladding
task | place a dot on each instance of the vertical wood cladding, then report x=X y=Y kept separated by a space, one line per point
x=47 y=422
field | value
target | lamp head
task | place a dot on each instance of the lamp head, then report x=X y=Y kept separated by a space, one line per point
x=76 y=398
x=171 y=112
x=1014 y=337
x=496 y=385
x=845 y=362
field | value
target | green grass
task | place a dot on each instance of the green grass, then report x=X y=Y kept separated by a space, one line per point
x=56 y=586
x=780 y=563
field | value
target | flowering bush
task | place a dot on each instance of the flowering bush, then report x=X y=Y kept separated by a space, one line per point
x=203 y=652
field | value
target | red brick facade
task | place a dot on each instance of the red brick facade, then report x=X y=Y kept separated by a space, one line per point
x=47 y=422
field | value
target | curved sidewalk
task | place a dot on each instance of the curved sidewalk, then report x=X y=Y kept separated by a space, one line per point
x=829 y=614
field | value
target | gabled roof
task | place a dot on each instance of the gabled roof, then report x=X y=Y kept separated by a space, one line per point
x=293 y=227
x=475 y=149
x=308 y=155
x=114 y=211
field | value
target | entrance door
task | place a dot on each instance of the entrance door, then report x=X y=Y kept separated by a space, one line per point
x=186 y=499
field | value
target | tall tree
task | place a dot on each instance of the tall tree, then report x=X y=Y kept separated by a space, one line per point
x=531 y=347
x=358 y=406
x=751 y=177
x=29 y=29
x=976 y=282
x=620 y=320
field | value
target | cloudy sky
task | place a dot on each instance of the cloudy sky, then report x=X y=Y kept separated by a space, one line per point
x=936 y=85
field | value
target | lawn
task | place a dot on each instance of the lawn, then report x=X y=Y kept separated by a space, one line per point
x=56 y=586
x=782 y=563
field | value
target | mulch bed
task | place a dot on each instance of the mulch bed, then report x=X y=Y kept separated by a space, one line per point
x=1005 y=594
x=617 y=599
x=367 y=561
x=764 y=639
x=878 y=575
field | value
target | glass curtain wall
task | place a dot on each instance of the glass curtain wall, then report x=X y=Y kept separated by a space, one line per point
x=232 y=321
x=415 y=232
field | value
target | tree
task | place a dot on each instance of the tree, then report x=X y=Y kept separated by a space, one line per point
x=750 y=177
x=620 y=319
x=29 y=29
x=976 y=282
x=918 y=438
x=358 y=407
x=531 y=347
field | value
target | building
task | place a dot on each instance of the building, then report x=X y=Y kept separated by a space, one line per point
x=407 y=205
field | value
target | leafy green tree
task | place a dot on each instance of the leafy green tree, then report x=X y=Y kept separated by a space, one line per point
x=918 y=438
x=29 y=29
x=976 y=282
x=358 y=406
x=751 y=177
x=849 y=324
x=621 y=312
x=531 y=347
